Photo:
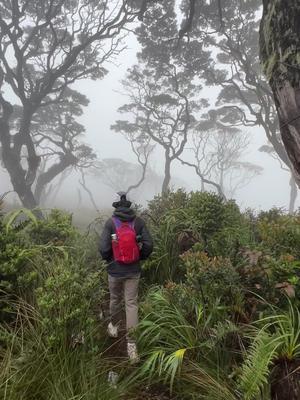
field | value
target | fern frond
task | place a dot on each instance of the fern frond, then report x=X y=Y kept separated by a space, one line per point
x=256 y=368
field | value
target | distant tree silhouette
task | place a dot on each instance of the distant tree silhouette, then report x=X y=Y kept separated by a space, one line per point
x=46 y=46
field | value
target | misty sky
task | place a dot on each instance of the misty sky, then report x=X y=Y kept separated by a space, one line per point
x=267 y=190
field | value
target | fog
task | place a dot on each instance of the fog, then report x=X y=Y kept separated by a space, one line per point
x=270 y=188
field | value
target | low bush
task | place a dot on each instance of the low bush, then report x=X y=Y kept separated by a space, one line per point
x=213 y=278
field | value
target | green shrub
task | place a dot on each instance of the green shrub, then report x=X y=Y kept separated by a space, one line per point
x=56 y=229
x=52 y=282
x=272 y=215
x=37 y=251
x=182 y=220
x=219 y=269
x=30 y=369
x=175 y=233
x=66 y=299
x=163 y=203
x=208 y=210
x=274 y=356
x=16 y=272
x=213 y=278
x=281 y=236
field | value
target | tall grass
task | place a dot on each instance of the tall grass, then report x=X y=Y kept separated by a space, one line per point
x=173 y=228
x=32 y=370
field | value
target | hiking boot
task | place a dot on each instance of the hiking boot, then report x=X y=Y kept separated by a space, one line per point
x=132 y=352
x=112 y=330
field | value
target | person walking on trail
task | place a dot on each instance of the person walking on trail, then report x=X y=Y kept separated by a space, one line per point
x=125 y=241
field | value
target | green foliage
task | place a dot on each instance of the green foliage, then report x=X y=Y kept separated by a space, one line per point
x=165 y=202
x=52 y=283
x=232 y=267
x=183 y=345
x=13 y=216
x=209 y=210
x=31 y=370
x=223 y=228
x=174 y=234
x=49 y=264
x=281 y=234
x=14 y=266
x=66 y=299
x=57 y=229
x=208 y=332
x=272 y=215
x=213 y=278
x=179 y=220
x=277 y=339
x=256 y=367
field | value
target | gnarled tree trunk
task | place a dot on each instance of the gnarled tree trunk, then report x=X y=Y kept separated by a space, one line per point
x=11 y=159
x=280 y=56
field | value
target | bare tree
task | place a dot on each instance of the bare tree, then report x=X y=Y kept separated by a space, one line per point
x=46 y=46
x=83 y=184
x=201 y=161
x=141 y=148
x=229 y=147
x=159 y=111
x=218 y=153
x=122 y=175
x=163 y=94
x=51 y=192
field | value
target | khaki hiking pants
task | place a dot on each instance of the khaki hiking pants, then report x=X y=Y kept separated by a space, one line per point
x=124 y=288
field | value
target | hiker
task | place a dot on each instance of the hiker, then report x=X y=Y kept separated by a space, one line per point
x=125 y=241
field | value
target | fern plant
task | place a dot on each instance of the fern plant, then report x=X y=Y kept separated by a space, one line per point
x=277 y=340
x=183 y=346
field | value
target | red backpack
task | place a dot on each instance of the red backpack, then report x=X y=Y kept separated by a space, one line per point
x=125 y=247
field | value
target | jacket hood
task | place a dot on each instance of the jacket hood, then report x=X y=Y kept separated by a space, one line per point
x=124 y=214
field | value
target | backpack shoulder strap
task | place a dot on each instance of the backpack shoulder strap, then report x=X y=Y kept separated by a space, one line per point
x=132 y=223
x=116 y=222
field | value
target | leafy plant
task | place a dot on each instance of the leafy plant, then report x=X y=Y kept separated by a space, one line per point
x=274 y=348
x=212 y=277
x=281 y=235
x=175 y=232
x=162 y=204
x=184 y=346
